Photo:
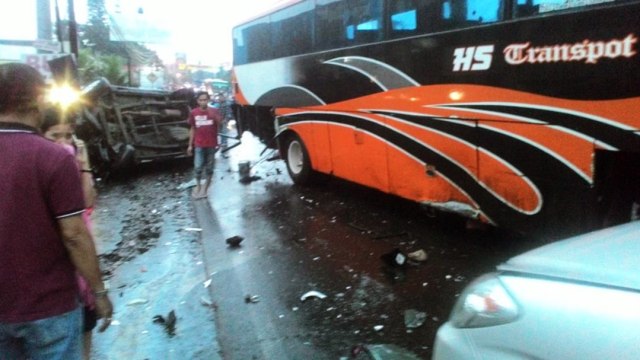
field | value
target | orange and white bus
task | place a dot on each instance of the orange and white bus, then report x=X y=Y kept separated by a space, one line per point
x=524 y=114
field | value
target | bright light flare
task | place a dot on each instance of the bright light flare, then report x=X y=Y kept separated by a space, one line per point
x=63 y=95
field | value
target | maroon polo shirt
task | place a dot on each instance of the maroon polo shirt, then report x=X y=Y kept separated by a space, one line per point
x=206 y=129
x=39 y=184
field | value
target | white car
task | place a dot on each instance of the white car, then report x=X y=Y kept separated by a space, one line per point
x=574 y=299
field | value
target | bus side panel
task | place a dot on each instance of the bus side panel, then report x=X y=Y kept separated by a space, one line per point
x=359 y=157
x=412 y=179
x=315 y=136
x=427 y=185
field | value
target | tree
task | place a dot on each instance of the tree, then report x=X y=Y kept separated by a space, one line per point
x=91 y=67
x=107 y=54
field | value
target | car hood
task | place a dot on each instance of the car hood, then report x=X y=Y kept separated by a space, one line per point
x=609 y=257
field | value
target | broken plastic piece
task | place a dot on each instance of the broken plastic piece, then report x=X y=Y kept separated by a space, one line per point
x=419 y=255
x=395 y=258
x=312 y=293
x=414 y=318
x=206 y=302
x=384 y=351
x=251 y=299
x=137 y=302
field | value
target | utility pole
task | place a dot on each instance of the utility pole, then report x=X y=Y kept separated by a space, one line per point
x=73 y=29
x=43 y=13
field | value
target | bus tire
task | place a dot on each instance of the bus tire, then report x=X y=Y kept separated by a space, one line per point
x=298 y=161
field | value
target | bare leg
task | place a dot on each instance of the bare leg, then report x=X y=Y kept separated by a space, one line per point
x=207 y=184
x=86 y=337
x=196 y=190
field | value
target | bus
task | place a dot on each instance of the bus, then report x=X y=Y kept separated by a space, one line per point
x=523 y=114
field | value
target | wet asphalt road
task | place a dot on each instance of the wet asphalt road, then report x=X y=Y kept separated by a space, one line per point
x=327 y=238
x=330 y=238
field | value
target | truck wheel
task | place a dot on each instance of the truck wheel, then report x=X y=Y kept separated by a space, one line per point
x=298 y=162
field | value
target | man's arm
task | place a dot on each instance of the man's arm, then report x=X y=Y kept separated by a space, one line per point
x=192 y=134
x=79 y=244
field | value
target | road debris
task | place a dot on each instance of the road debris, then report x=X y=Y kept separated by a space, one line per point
x=192 y=229
x=169 y=322
x=207 y=283
x=137 y=302
x=206 y=302
x=359 y=227
x=378 y=327
x=251 y=299
x=389 y=235
x=312 y=293
x=414 y=318
x=382 y=351
x=234 y=241
x=249 y=179
x=395 y=258
x=418 y=255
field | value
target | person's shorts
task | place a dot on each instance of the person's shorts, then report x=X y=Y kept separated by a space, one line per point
x=57 y=337
x=90 y=319
x=204 y=161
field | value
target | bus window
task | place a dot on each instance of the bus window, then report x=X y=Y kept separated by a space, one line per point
x=364 y=21
x=330 y=24
x=464 y=13
x=239 y=47
x=403 y=16
x=524 y=8
x=253 y=40
x=291 y=30
x=484 y=11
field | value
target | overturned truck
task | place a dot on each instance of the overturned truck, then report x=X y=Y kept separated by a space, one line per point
x=124 y=126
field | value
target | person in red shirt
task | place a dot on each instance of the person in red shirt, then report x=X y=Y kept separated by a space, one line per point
x=43 y=239
x=203 y=142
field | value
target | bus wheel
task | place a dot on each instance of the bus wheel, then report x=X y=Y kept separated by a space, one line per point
x=298 y=163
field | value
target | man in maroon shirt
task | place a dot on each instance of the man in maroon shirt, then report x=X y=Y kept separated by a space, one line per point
x=203 y=141
x=43 y=239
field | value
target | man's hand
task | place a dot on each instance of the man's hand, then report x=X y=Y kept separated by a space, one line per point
x=104 y=310
x=190 y=150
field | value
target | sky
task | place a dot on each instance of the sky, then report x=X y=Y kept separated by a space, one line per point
x=199 y=28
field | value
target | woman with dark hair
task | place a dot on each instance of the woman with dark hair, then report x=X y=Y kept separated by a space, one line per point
x=57 y=128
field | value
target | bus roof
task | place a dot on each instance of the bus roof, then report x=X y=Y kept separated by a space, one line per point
x=281 y=4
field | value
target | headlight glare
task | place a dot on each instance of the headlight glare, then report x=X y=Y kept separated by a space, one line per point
x=485 y=302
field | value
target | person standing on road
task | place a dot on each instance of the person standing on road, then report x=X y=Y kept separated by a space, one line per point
x=43 y=239
x=203 y=142
x=221 y=103
x=57 y=129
